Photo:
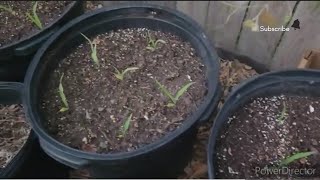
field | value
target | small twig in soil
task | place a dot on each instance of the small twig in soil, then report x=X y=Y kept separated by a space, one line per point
x=93 y=47
x=152 y=43
x=120 y=75
x=63 y=96
x=295 y=157
x=8 y=9
x=34 y=17
x=175 y=98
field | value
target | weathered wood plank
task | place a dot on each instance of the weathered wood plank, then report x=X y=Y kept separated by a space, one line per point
x=295 y=42
x=261 y=45
x=224 y=22
x=195 y=9
x=171 y=4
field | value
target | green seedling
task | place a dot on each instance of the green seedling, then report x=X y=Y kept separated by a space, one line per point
x=152 y=43
x=93 y=50
x=125 y=126
x=172 y=98
x=120 y=75
x=295 y=157
x=63 y=96
x=283 y=116
x=34 y=17
x=8 y=9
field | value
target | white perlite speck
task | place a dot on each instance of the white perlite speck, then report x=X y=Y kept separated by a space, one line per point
x=311 y=109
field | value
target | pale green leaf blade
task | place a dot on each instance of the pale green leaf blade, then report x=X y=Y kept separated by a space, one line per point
x=61 y=93
x=94 y=55
x=64 y=109
x=129 y=69
x=183 y=90
x=126 y=125
x=296 y=157
x=159 y=41
x=166 y=92
x=150 y=48
x=35 y=16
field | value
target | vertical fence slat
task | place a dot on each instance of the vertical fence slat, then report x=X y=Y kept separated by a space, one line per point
x=224 y=22
x=195 y=9
x=295 y=42
x=261 y=45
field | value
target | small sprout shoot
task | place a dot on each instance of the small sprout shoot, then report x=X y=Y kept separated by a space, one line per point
x=283 y=115
x=34 y=17
x=63 y=97
x=93 y=50
x=295 y=157
x=152 y=43
x=120 y=75
x=8 y=9
x=125 y=126
x=175 y=98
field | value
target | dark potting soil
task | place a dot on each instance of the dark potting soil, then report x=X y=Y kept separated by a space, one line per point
x=267 y=131
x=100 y=104
x=16 y=25
x=14 y=132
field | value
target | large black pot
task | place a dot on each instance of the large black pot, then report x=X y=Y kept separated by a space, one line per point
x=293 y=82
x=31 y=161
x=15 y=57
x=164 y=158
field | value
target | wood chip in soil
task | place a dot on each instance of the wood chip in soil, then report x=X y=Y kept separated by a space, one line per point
x=14 y=132
x=265 y=132
x=15 y=25
x=232 y=72
x=99 y=103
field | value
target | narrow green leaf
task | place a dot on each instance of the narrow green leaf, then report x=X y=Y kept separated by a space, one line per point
x=296 y=157
x=126 y=125
x=166 y=92
x=150 y=48
x=182 y=90
x=283 y=114
x=129 y=69
x=159 y=41
x=93 y=46
x=9 y=9
x=170 y=105
x=62 y=96
x=119 y=76
x=34 y=17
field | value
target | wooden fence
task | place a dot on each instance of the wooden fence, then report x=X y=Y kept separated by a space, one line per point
x=229 y=24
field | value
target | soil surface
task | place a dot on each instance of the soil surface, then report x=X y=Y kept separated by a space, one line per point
x=265 y=132
x=16 y=25
x=14 y=132
x=100 y=104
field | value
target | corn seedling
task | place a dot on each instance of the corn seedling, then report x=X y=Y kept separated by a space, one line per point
x=172 y=98
x=125 y=126
x=152 y=43
x=34 y=17
x=283 y=116
x=295 y=157
x=63 y=96
x=120 y=75
x=93 y=50
x=8 y=9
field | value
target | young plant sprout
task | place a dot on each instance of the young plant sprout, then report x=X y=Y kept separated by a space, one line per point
x=63 y=97
x=125 y=126
x=8 y=9
x=283 y=115
x=120 y=75
x=172 y=98
x=34 y=17
x=295 y=157
x=152 y=43
x=93 y=50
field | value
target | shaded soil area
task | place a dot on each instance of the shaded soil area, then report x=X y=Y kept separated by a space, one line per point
x=267 y=131
x=15 y=24
x=100 y=104
x=14 y=132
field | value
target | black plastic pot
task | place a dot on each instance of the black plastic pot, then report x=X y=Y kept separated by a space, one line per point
x=31 y=161
x=15 y=57
x=164 y=158
x=293 y=82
